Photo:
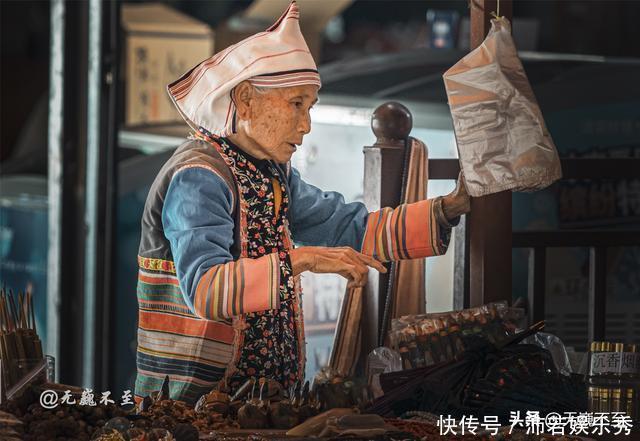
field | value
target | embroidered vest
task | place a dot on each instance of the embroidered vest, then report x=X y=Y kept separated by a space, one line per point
x=197 y=353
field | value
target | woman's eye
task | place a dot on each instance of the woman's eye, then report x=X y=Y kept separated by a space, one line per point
x=298 y=104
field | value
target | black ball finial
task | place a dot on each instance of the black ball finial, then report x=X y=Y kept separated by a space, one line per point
x=391 y=121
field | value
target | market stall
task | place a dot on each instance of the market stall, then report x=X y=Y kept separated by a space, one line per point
x=475 y=373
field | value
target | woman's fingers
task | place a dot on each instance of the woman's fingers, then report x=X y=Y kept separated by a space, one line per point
x=373 y=263
x=351 y=256
x=347 y=262
x=364 y=259
x=349 y=272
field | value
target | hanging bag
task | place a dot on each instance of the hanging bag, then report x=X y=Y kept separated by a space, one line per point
x=502 y=140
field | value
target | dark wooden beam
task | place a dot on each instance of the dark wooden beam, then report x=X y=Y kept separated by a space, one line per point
x=597 y=292
x=383 y=162
x=444 y=168
x=576 y=238
x=489 y=222
x=600 y=168
x=537 y=283
x=572 y=168
x=489 y=225
x=102 y=188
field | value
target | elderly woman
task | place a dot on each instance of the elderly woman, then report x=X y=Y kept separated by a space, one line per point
x=219 y=300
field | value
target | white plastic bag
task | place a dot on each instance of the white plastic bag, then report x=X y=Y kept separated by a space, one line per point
x=554 y=345
x=502 y=140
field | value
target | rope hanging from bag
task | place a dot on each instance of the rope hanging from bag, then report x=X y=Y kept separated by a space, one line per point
x=496 y=14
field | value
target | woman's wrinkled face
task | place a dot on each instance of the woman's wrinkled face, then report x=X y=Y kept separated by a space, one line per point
x=276 y=120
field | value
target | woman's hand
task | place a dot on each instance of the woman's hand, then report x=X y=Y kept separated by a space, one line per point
x=457 y=202
x=345 y=261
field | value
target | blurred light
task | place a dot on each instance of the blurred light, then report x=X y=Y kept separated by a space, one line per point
x=340 y=115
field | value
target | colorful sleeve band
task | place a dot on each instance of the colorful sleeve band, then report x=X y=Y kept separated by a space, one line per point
x=239 y=287
x=410 y=231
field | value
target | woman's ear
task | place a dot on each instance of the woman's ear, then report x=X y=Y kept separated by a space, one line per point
x=241 y=96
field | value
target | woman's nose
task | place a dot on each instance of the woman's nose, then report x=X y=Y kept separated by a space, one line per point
x=304 y=123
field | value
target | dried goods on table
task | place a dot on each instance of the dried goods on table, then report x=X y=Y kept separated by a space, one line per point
x=158 y=417
x=108 y=435
x=236 y=400
x=255 y=413
x=307 y=405
x=136 y=435
x=234 y=406
x=120 y=424
x=168 y=414
x=274 y=408
x=214 y=401
x=65 y=422
x=332 y=390
x=11 y=428
x=156 y=411
x=163 y=428
x=164 y=392
x=283 y=414
x=185 y=432
x=217 y=411
x=154 y=397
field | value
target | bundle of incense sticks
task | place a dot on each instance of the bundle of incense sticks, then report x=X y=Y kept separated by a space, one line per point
x=346 y=345
x=20 y=346
x=433 y=388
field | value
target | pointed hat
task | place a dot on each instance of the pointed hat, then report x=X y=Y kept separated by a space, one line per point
x=278 y=57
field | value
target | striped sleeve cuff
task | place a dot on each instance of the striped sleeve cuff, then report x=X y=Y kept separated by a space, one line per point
x=410 y=231
x=238 y=287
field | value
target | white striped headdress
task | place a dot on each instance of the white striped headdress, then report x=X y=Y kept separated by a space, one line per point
x=278 y=57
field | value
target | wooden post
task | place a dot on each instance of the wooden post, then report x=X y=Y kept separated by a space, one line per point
x=597 y=293
x=391 y=123
x=537 y=283
x=489 y=223
x=67 y=134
